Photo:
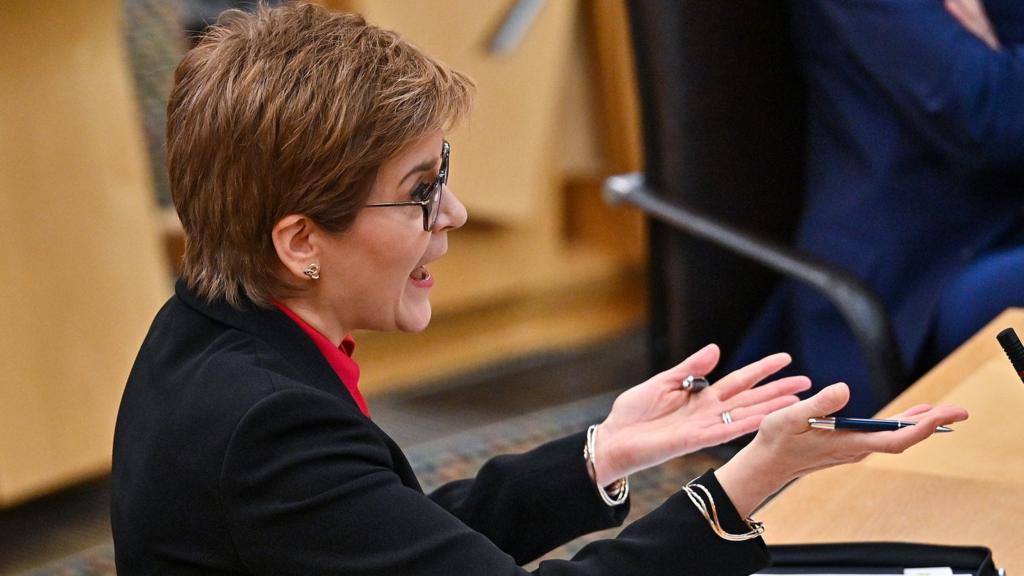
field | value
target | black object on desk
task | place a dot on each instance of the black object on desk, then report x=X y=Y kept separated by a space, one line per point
x=878 y=558
x=1014 y=350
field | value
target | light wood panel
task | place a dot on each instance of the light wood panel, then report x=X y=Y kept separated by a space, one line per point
x=861 y=505
x=991 y=393
x=964 y=488
x=596 y=305
x=83 y=271
x=616 y=77
x=503 y=156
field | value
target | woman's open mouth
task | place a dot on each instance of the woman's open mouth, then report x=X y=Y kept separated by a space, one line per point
x=421 y=277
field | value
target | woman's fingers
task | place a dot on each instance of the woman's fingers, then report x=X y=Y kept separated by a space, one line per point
x=746 y=377
x=722 y=433
x=699 y=363
x=781 y=387
x=941 y=414
x=742 y=414
x=897 y=441
x=830 y=399
x=948 y=414
x=911 y=412
x=763 y=408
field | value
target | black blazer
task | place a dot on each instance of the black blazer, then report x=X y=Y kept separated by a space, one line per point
x=238 y=451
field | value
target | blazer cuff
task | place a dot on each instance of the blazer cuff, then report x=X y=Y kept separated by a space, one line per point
x=675 y=538
x=728 y=517
x=752 y=553
x=602 y=515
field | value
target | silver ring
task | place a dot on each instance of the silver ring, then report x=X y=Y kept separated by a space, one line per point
x=694 y=383
x=726 y=417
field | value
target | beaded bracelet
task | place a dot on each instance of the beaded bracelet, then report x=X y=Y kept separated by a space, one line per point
x=756 y=528
x=619 y=488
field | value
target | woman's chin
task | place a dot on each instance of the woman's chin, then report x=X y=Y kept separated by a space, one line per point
x=415 y=320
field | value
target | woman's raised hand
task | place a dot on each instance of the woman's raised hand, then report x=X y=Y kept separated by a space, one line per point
x=786 y=447
x=658 y=420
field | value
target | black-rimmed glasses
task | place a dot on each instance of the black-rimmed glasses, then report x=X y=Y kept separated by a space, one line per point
x=427 y=194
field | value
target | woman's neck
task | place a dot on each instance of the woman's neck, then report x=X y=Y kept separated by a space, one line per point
x=320 y=321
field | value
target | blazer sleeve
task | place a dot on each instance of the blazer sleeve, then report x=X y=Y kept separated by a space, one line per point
x=546 y=489
x=962 y=97
x=307 y=488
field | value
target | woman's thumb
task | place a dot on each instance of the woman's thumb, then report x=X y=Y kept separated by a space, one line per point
x=830 y=399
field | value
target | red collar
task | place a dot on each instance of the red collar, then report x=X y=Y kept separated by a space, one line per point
x=339 y=357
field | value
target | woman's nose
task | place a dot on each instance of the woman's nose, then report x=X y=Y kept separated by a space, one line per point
x=453 y=214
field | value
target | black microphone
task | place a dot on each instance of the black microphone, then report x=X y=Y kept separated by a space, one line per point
x=1014 y=350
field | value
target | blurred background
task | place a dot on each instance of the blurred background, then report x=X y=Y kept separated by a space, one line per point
x=543 y=277
x=872 y=151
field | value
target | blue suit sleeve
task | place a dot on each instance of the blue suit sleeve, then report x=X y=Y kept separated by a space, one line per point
x=964 y=98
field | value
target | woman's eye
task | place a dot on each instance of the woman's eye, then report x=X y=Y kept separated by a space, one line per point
x=421 y=191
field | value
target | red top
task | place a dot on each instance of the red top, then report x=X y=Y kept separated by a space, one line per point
x=339 y=357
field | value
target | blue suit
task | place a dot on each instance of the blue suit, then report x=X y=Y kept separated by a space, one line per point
x=914 y=165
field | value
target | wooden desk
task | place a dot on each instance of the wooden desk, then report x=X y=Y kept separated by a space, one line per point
x=965 y=488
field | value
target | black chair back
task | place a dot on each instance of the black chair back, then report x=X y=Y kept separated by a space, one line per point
x=722 y=116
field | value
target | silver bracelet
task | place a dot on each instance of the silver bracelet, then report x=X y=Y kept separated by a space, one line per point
x=756 y=528
x=619 y=488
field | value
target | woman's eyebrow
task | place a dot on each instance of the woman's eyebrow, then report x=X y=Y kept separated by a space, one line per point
x=421 y=167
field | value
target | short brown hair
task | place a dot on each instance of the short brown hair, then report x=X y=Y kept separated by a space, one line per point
x=290 y=110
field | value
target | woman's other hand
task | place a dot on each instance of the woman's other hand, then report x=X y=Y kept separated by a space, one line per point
x=786 y=447
x=971 y=15
x=657 y=420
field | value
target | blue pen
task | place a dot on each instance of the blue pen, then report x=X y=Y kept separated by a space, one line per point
x=864 y=424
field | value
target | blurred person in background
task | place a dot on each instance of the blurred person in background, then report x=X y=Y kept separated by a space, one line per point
x=309 y=167
x=913 y=176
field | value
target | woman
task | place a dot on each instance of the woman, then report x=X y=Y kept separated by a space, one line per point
x=308 y=165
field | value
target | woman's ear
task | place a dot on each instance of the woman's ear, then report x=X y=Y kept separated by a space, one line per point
x=296 y=248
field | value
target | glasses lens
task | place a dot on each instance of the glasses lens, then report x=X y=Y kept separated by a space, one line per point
x=434 y=206
x=445 y=155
